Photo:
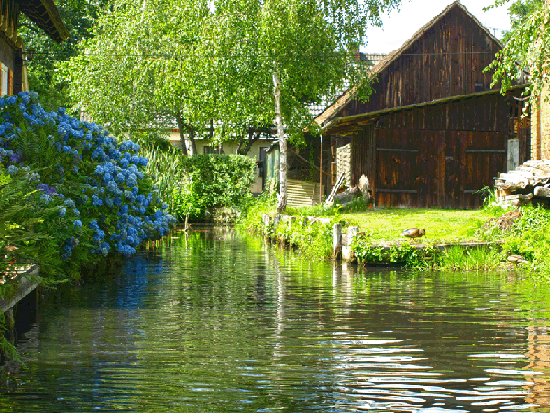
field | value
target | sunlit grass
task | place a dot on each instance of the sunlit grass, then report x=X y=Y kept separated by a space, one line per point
x=442 y=225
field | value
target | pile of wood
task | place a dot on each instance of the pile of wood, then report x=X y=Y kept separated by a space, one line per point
x=529 y=183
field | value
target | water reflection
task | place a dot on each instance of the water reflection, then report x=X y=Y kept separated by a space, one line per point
x=221 y=323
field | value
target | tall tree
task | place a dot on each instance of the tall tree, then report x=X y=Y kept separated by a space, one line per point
x=141 y=69
x=527 y=47
x=281 y=55
x=239 y=64
x=79 y=16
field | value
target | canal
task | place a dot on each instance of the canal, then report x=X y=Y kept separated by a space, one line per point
x=219 y=322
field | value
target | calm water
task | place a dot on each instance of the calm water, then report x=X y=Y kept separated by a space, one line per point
x=219 y=323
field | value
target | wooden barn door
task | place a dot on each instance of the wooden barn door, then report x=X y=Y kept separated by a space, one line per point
x=432 y=169
x=481 y=156
x=398 y=173
x=436 y=168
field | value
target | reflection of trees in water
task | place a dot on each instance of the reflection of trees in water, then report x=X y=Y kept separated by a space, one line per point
x=217 y=320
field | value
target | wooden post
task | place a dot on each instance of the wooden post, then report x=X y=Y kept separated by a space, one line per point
x=291 y=221
x=346 y=249
x=276 y=221
x=337 y=240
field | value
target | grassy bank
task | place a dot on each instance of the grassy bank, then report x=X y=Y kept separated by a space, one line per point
x=442 y=225
x=380 y=239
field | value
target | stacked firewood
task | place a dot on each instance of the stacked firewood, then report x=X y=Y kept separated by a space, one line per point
x=529 y=183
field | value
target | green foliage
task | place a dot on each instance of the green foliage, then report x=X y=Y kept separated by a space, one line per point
x=142 y=67
x=7 y=349
x=402 y=254
x=79 y=16
x=212 y=181
x=29 y=225
x=519 y=11
x=457 y=258
x=529 y=237
x=305 y=44
x=526 y=50
x=313 y=240
x=356 y=205
x=318 y=210
x=149 y=63
x=164 y=166
x=254 y=209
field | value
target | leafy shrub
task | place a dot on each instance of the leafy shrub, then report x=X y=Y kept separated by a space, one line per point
x=457 y=258
x=26 y=223
x=212 y=181
x=313 y=240
x=254 y=209
x=103 y=201
x=529 y=238
x=163 y=167
x=402 y=254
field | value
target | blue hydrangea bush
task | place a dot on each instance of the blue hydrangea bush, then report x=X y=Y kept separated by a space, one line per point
x=105 y=204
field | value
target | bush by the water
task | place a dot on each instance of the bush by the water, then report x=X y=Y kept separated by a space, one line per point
x=212 y=181
x=194 y=186
x=83 y=190
x=529 y=236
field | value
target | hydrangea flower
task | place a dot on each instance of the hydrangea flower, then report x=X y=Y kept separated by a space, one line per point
x=115 y=205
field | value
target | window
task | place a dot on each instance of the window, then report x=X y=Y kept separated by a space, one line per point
x=261 y=162
x=4 y=82
x=210 y=150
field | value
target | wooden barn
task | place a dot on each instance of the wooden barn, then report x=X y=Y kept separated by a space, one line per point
x=433 y=133
x=45 y=15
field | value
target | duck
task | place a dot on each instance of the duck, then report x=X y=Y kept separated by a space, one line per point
x=515 y=258
x=413 y=232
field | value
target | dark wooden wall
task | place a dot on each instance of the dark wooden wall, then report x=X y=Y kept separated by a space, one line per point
x=434 y=156
x=447 y=60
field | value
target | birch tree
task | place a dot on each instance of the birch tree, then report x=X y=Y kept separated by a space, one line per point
x=281 y=55
x=526 y=49
x=141 y=69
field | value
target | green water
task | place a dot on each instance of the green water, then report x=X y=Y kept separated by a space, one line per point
x=222 y=323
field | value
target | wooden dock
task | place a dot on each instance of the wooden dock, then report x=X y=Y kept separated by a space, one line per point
x=26 y=280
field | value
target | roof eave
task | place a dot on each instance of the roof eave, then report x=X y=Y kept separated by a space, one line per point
x=369 y=115
x=45 y=14
x=322 y=121
x=55 y=17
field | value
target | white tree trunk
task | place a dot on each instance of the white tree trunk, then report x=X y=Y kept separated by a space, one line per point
x=283 y=165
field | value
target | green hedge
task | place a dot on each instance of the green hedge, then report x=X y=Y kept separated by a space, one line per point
x=212 y=181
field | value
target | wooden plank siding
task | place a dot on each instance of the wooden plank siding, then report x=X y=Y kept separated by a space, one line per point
x=302 y=193
x=448 y=60
x=434 y=156
x=433 y=133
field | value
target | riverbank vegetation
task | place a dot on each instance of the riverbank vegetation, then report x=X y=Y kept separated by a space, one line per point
x=477 y=240
x=79 y=195
x=201 y=188
x=73 y=197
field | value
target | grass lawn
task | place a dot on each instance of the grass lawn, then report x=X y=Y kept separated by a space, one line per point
x=442 y=225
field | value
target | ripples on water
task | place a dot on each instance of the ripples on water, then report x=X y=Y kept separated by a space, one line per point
x=218 y=323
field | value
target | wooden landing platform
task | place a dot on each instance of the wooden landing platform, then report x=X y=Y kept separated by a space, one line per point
x=25 y=278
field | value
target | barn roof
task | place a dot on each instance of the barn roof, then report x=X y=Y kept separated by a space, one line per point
x=46 y=16
x=354 y=123
x=330 y=112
